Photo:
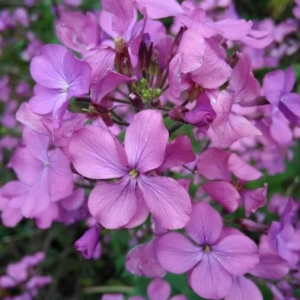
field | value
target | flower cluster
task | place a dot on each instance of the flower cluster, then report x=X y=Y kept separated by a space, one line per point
x=133 y=125
x=21 y=275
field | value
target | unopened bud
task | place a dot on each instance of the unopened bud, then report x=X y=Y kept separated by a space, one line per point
x=136 y=101
x=253 y=226
x=177 y=113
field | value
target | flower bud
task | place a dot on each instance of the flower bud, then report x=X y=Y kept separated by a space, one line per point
x=87 y=244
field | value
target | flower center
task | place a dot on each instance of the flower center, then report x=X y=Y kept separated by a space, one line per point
x=206 y=248
x=46 y=164
x=133 y=173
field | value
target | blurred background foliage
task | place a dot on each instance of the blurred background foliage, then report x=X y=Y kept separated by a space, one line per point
x=77 y=278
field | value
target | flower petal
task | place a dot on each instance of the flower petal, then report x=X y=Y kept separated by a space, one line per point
x=242 y=81
x=254 y=199
x=209 y=279
x=270 y=266
x=77 y=74
x=95 y=154
x=242 y=169
x=214 y=70
x=176 y=253
x=237 y=254
x=192 y=46
x=224 y=193
x=60 y=176
x=44 y=99
x=178 y=153
x=167 y=200
x=213 y=164
x=289 y=106
x=107 y=85
x=158 y=289
x=27 y=167
x=113 y=204
x=146 y=140
x=46 y=68
x=157 y=9
x=37 y=144
x=122 y=14
x=142 y=261
x=243 y=289
x=205 y=224
x=233 y=29
x=141 y=213
x=100 y=60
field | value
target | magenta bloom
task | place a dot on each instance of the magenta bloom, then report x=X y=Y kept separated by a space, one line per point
x=217 y=165
x=96 y=154
x=243 y=289
x=142 y=261
x=47 y=173
x=159 y=289
x=88 y=243
x=283 y=238
x=277 y=86
x=22 y=275
x=59 y=76
x=217 y=256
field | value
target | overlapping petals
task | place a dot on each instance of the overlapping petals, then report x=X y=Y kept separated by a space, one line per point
x=215 y=257
x=96 y=154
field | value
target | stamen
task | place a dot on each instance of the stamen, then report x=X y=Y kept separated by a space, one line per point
x=206 y=248
x=133 y=173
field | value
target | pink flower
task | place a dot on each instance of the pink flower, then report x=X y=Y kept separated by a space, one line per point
x=277 y=86
x=142 y=261
x=196 y=19
x=77 y=31
x=59 y=76
x=96 y=154
x=217 y=255
x=47 y=173
x=159 y=289
x=89 y=242
x=216 y=164
x=243 y=288
x=283 y=238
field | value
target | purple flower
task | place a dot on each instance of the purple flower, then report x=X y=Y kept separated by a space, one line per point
x=88 y=243
x=20 y=272
x=59 y=76
x=196 y=19
x=159 y=289
x=243 y=288
x=96 y=154
x=10 y=193
x=216 y=164
x=142 y=261
x=217 y=256
x=77 y=31
x=282 y=236
x=277 y=86
x=47 y=173
x=200 y=62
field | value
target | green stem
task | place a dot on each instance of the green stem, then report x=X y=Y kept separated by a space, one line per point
x=175 y=128
x=109 y=289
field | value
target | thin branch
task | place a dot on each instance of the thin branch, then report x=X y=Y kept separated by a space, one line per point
x=109 y=289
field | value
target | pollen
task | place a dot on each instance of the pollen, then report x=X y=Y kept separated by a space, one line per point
x=46 y=164
x=133 y=173
x=206 y=248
